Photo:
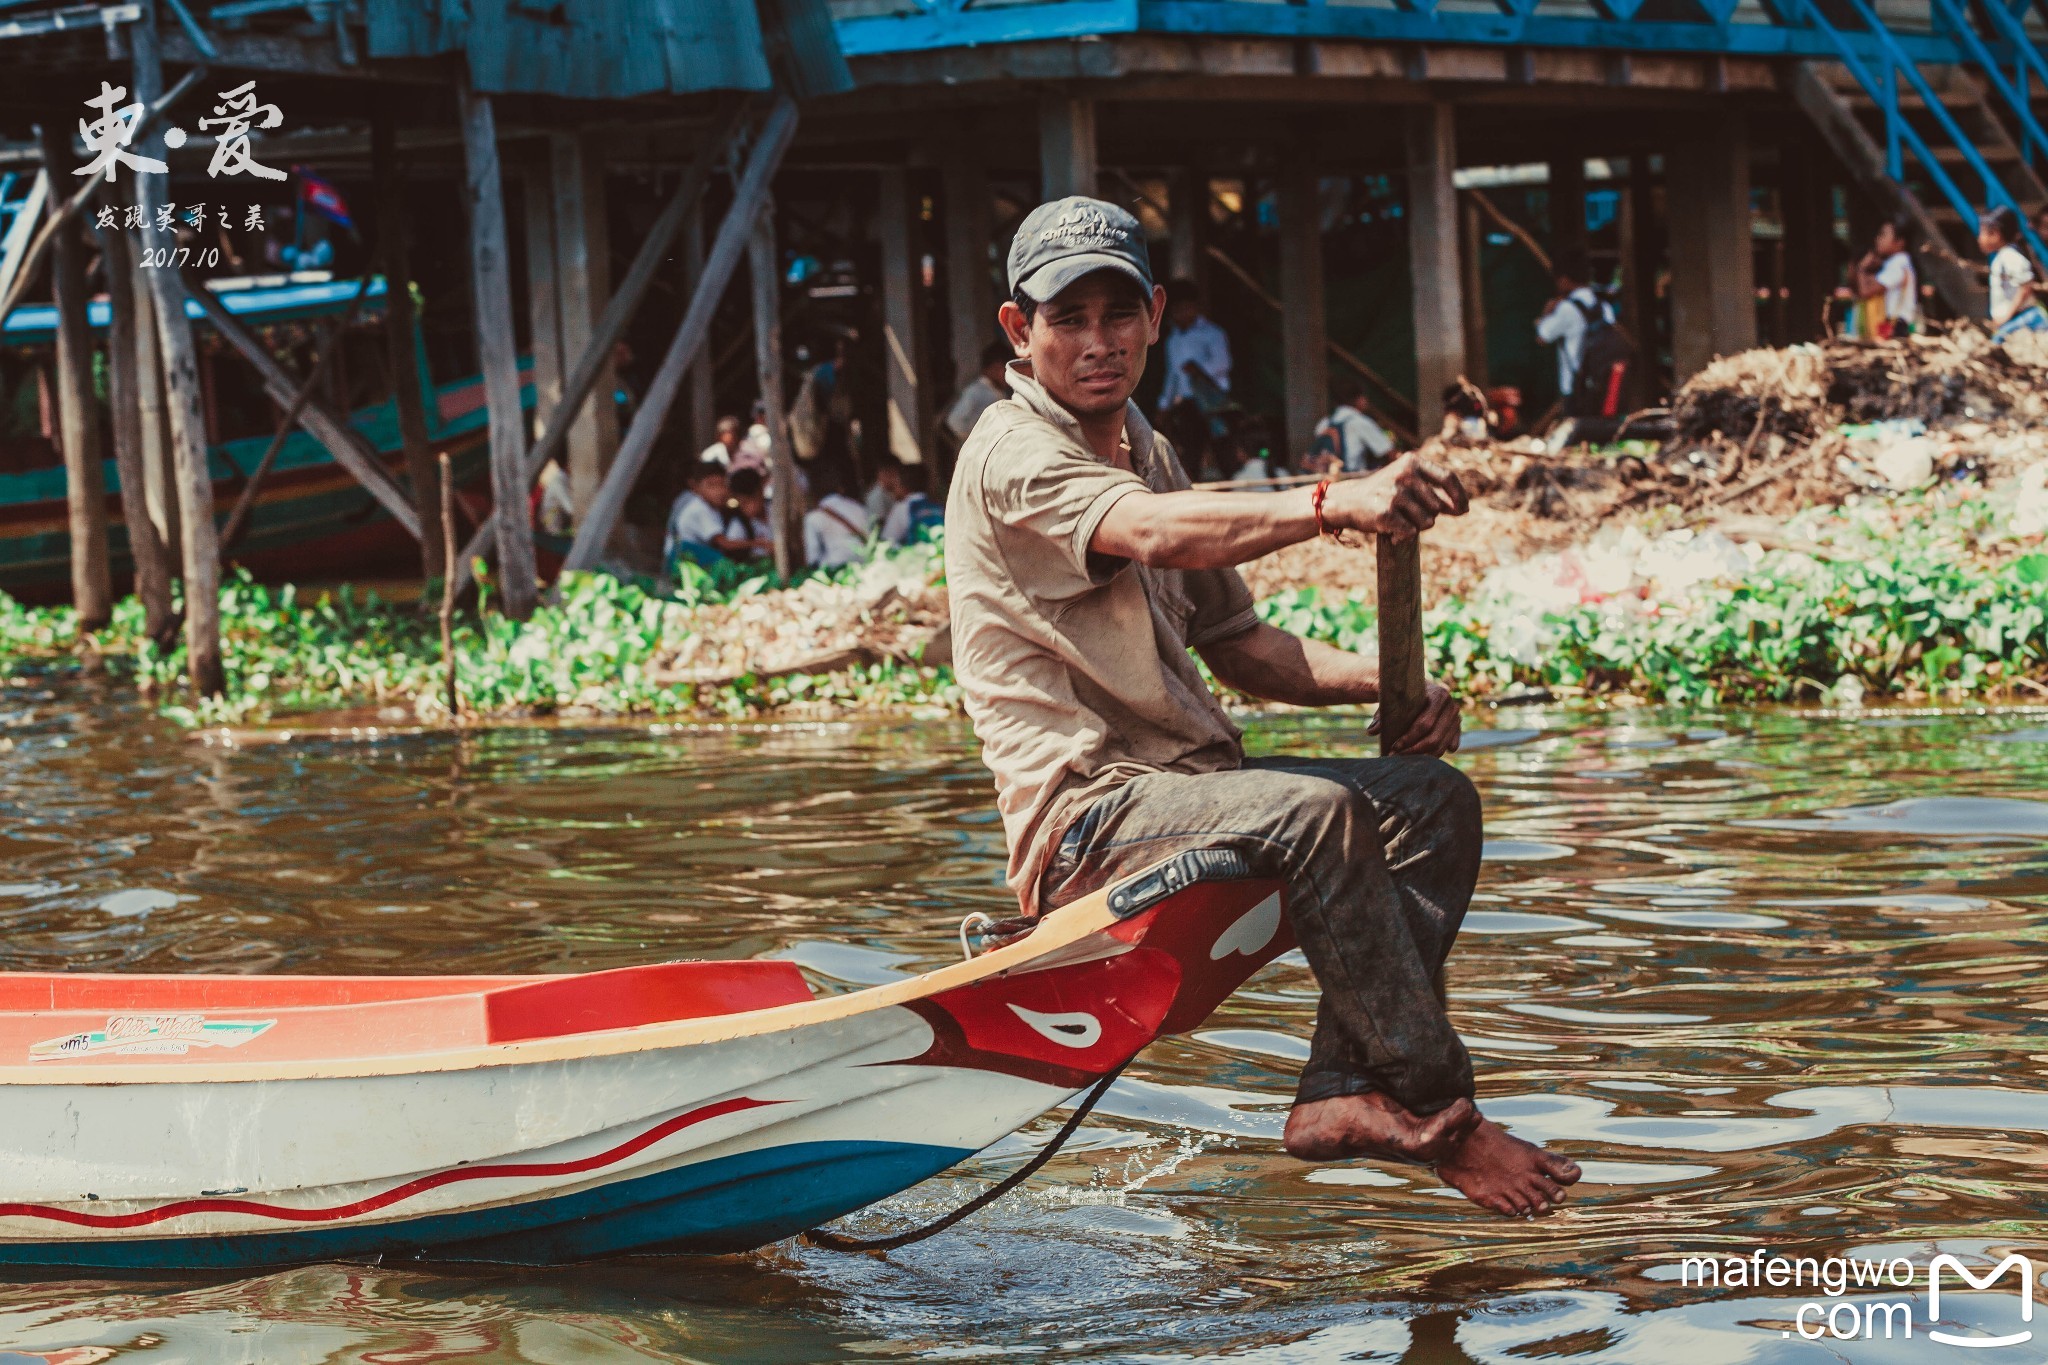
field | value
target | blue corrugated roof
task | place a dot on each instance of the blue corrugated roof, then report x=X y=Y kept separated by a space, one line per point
x=615 y=49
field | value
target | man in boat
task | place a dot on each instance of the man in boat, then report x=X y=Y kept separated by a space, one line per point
x=1082 y=569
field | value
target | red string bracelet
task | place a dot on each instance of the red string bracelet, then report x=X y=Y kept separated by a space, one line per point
x=1322 y=491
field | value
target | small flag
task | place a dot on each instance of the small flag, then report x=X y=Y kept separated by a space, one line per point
x=323 y=198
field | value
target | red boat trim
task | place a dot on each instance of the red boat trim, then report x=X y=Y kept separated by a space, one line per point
x=397 y=1193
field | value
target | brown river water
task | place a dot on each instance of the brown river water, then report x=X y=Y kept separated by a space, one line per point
x=1775 y=980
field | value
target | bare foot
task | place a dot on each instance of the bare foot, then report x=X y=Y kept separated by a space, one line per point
x=1506 y=1174
x=1375 y=1126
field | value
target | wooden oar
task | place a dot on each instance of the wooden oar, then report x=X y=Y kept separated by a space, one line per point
x=1402 y=682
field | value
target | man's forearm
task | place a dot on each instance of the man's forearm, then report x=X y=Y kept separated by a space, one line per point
x=1272 y=665
x=1204 y=530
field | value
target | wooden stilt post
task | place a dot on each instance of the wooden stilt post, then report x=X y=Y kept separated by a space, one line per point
x=186 y=426
x=582 y=377
x=153 y=420
x=402 y=347
x=1187 y=214
x=1066 y=145
x=85 y=484
x=970 y=289
x=733 y=234
x=150 y=553
x=1471 y=294
x=1644 y=254
x=1302 y=326
x=499 y=355
x=899 y=319
x=1713 y=266
x=703 y=389
x=763 y=268
x=1433 y=260
x=583 y=279
x=1567 y=206
x=543 y=293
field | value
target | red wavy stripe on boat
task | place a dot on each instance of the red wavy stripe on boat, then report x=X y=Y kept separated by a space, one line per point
x=513 y=1171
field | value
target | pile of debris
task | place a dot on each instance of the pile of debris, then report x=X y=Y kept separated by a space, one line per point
x=894 y=608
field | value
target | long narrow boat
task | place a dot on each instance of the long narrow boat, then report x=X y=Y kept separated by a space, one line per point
x=311 y=519
x=238 y=1121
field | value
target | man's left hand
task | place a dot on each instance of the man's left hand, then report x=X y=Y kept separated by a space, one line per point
x=1436 y=731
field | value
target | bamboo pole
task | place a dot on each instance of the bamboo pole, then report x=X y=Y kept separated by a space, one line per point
x=78 y=413
x=733 y=235
x=762 y=265
x=186 y=425
x=1403 y=686
x=149 y=551
x=401 y=346
x=497 y=352
x=447 y=483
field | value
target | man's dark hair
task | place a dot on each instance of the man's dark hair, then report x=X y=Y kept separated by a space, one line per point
x=705 y=469
x=997 y=353
x=1571 y=265
x=746 y=483
x=1183 y=290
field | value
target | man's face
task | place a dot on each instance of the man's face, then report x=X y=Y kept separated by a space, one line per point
x=1087 y=344
x=1183 y=313
x=713 y=489
x=755 y=506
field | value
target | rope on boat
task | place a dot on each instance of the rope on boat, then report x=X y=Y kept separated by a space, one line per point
x=837 y=1241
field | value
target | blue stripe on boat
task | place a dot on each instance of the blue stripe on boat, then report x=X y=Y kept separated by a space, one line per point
x=731 y=1203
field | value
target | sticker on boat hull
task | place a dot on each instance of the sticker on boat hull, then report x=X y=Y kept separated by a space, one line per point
x=151 y=1035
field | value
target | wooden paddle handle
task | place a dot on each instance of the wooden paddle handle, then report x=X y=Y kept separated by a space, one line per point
x=1402 y=683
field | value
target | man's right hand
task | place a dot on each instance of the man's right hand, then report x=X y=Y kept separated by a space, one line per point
x=1404 y=498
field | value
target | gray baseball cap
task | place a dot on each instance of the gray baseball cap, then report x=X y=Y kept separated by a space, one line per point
x=1068 y=238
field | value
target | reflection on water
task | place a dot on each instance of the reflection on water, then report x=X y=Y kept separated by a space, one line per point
x=1775 y=981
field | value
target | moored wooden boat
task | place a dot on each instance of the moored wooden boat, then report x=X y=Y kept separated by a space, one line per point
x=201 y=1121
x=311 y=520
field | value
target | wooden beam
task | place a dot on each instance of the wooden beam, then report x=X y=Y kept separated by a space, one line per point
x=1642 y=251
x=401 y=344
x=894 y=225
x=1187 y=221
x=1303 y=330
x=583 y=277
x=146 y=548
x=497 y=352
x=764 y=271
x=1433 y=260
x=186 y=426
x=78 y=413
x=350 y=450
x=1567 y=205
x=733 y=234
x=1713 y=271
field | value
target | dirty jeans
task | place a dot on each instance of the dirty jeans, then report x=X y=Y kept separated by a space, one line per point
x=1379 y=857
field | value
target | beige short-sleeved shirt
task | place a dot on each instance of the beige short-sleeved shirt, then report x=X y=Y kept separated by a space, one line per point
x=1075 y=666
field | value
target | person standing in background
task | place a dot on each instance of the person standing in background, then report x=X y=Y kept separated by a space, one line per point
x=987 y=388
x=1887 y=286
x=1197 y=351
x=1356 y=439
x=836 y=530
x=887 y=492
x=2015 y=301
x=1568 y=317
x=726 y=444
